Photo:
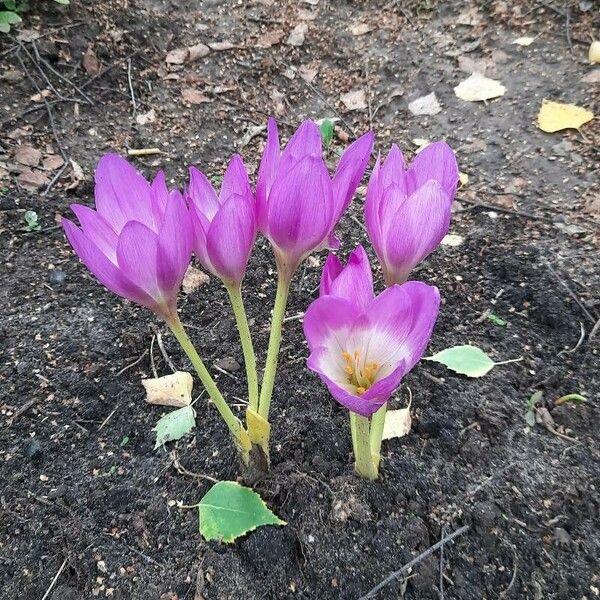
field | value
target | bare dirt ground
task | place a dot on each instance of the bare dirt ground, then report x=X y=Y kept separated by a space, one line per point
x=82 y=492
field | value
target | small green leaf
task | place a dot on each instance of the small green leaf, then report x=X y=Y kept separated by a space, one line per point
x=32 y=221
x=327 y=131
x=8 y=17
x=570 y=398
x=530 y=418
x=65 y=2
x=466 y=360
x=174 y=425
x=4 y=27
x=229 y=510
x=124 y=441
x=496 y=320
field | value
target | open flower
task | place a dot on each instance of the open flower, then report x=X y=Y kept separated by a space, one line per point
x=298 y=203
x=353 y=282
x=407 y=211
x=362 y=352
x=138 y=241
x=224 y=223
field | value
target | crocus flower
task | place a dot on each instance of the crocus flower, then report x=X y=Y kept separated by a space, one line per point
x=298 y=203
x=407 y=211
x=353 y=282
x=361 y=352
x=138 y=241
x=224 y=223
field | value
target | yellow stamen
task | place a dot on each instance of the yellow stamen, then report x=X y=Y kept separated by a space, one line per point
x=360 y=390
x=361 y=376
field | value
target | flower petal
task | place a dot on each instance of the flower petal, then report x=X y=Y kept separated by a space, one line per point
x=107 y=273
x=122 y=193
x=174 y=245
x=332 y=268
x=300 y=208
x=438 y=162
x=393 y=168
x=373 y=198
x=160 y=195
x=231 y=237
x=202 y=194
x=267 y=172
x=306 y=141
x=97 y=230
x=350 y=170
x=415 y=231
x=235 y=180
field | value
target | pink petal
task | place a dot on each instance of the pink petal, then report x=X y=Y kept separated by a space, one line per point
x=372 y=201
x=200 y=227
x=122 y=193
x=415 y=231
x=235 y=180
x=438 y=162
x=160 y=195
x=231 y=237
x=306 y=141
x=332 y=268
x=300 y=209
x=202 y=194
x=393 y=168
x=267 y=172
x=97 y=230
x=350 y=170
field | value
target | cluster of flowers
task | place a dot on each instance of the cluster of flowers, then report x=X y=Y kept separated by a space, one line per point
x=140 y=239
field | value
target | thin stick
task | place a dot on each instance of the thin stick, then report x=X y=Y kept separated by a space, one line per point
x=162 y=348
x=183 y=471
x=152 y=364
x=53 y=582
x=55 y=179
x=133 y=102
x=109 y=417
x=582 y=335
x=508 y=211
x=409 y=565
x=133 y=363
x=594 y=331
x=568 y=27
x=571 y=293
x=441 y=589
x=143 y=151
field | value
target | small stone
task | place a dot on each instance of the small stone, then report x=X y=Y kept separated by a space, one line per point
x=33 y=450
x=228 y=364
x=561 y=537
x=57 y=277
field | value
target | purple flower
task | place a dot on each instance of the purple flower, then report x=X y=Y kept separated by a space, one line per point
x=407 y=211
x=224 y=223
x=353 y=282
x=298 y=204
x=362 y=352
x=138 y=241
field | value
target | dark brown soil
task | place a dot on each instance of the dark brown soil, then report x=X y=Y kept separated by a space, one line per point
x=80 y=482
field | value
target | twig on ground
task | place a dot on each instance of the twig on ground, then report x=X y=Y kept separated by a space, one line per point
x=24 y=408
x=152 y=363
x=143 y=151
x=433 y=378
x=109 y=417
x=133 y=102
x=183 y=471
x=514 y=575
x=55 y=179
x=133 y=363
x=568 y=26
x=578 y=343
x=227 y=373
x=441 y=584
x=53 y=582
x=43 y=35
x=369 y=93
x=162 y=348
x=570 y=292
x=594 y=331
x=409 y=565
x=502 y=209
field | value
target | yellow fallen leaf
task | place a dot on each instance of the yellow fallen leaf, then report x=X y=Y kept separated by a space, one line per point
x=594 y=52
x=524 y=41
x=478 y=88
x=555 y=116
x=397 y=423
x=463 y=178
x=170 y=390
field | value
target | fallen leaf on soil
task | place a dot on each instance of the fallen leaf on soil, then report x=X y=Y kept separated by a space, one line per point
x=592 y=77
x=27 y=35
x=269 y=38
x=221 y=46
x=174 y=425
x=354 y=100
x=197 y=51
x=397 y=423
x=77 y=175
x=467 y=360
x=40 y=96
x=11 y=76
x=193 y=279
x=90 y=62
x=296 y=37
x=193 y=96
x=555 y=116
x=594 y=52
x=308 y=73
x=420 y=143
x=425 y=105
x=452 y=240
x=475 y=65
x=53 y=162
x=145 y=118
x=177 y=56
x=360 y=29
x=170 y=390
x=250 y=134
x=525 y=40
x=478 y=88
x=470 y=17
x=463 y=179
x=32 y=180
x=28 y=155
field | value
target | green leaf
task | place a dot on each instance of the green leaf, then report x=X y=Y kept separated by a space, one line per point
x=4 y=27
x=8 y=17
x=530 y=418
x=174 y=425
x=229 y=510
x=466 y=360
x=496 y=320
x=570 y=398
x=65 y=2
x=32 y=221
x=327 y=131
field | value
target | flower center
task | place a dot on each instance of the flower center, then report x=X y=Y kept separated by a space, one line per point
x=361 y=374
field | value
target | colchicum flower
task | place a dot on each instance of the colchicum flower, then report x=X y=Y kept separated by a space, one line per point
x=298 y=203
x=224 y=223
x=138 y=241
x=361 y=346
x=407 y=211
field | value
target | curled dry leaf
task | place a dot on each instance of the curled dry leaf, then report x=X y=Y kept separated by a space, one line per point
x=90 y=62
x=197 y=51
x=425 y=105
x=397 y=423
x=193 y=96
x=296 y=37
x=592 y=77
x=193 y=279
x=360 y=29
x=308 y=73
x=145 y=118
x=221 y=46
x=32 y=180
x=354 y=100
x=478 y=88
x=28 y=155
x=177 y=56
x=525 y=40
x=170 y=390
x=269 y=38
x=52 y=162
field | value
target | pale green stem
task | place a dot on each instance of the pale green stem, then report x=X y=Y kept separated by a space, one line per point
x=363 y=459
x=234 y=424
x=235 y=296
x=377 y=423
x=266 y=390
